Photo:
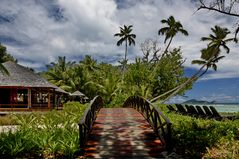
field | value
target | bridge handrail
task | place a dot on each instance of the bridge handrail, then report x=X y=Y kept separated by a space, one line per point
x=154 y=117
x=86 y=122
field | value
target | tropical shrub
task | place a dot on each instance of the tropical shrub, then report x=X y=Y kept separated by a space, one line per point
x=208 y=138
x=52 y=134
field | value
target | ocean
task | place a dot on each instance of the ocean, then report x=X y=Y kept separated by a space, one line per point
x=224 y=107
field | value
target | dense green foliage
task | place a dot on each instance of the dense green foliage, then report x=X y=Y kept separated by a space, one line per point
x=145 y=77
x=197 y=138
x=44 y=135
x=4 y=56
x=141 y=78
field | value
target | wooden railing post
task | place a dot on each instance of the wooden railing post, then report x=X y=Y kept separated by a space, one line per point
x=169 y=144
x=86 y=122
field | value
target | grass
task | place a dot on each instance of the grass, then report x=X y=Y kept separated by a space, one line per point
x=50 y=135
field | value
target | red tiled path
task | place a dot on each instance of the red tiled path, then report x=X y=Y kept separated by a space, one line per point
x=122 y=133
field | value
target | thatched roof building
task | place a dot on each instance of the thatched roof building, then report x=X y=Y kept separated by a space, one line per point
x=24 y=89
x=77 y=93
x=79 y=96
x=23 y=77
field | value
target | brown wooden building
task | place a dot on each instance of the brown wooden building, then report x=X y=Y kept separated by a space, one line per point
x=26 y=90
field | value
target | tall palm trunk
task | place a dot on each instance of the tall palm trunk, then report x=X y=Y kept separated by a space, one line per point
x=126 y=50
x=197 y=75
x=125 y=58
x=166 y=49
x=175 y=90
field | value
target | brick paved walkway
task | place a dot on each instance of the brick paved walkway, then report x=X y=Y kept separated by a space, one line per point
x=122 y=133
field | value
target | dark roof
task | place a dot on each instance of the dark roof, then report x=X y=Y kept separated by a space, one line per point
x=61 y=90
x=22 y=76
x=77 y=93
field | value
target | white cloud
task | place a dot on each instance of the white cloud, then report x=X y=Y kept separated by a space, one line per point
x=89 y=25
x=177 y=99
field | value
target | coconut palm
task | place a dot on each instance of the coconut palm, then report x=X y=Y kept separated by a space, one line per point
x=209 y=57
x=217 y=40
x=58 y=72
x=126 y=36
x=89 y=64
x=171 y=30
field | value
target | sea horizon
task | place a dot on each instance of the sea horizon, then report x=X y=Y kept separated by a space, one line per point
x=221 y=107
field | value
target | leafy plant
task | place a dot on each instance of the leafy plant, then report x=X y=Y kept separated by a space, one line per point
x=49 y=135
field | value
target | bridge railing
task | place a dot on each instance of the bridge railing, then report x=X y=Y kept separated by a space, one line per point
x=158 y=121
x=86 y=122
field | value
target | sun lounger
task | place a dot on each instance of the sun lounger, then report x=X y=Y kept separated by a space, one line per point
x=191 y=110
x=194 y=111
x=188 y=109
x=215 y=113
x=207 y=111
x=181 y=109
x=218 y=116
x=171 y=108
x=201 y=112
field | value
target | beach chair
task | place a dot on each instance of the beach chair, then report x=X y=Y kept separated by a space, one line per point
x=171 y=108
x=218 y=116
x=215 y=113
x=181 y=109
x=207 y=111
x=189 y=110
x=201 y=112
x=194 y=111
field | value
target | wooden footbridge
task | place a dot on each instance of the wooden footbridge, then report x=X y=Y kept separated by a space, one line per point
x=137 y=130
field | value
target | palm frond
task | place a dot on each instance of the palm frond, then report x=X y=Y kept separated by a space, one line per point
x=120 y=42
x=198 y=62
x=163 y=30
x=184 y=32
x=214 y=66
x=205 y=38
x=164 y=21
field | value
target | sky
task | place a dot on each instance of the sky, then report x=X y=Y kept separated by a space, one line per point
x=36 y=32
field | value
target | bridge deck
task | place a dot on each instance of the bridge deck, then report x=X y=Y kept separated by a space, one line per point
x=122 y=133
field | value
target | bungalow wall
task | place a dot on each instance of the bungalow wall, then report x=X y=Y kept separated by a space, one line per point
x=21 y=98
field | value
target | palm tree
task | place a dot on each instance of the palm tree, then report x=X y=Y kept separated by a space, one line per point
x=207 y=62
x=58 y=73
x=217 y=40
x=126 y=36
x=171 y=30
x=210 y=56
x=89 y=64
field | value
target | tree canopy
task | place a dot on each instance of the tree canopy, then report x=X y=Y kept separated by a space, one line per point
x=4 y=57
